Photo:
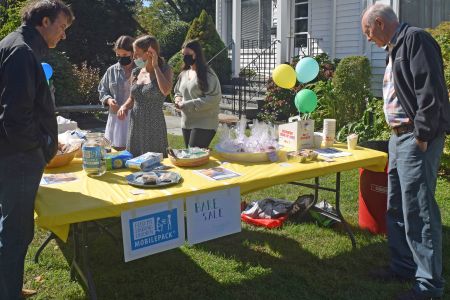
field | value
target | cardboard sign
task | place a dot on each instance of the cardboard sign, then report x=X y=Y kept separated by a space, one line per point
x=213 y=215
x=296 y=135
x=152 y=229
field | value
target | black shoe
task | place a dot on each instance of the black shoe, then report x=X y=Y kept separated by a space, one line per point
x=301 y=206
x=385 y=274
x=413 y=295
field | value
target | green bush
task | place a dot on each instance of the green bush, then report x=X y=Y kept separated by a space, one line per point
x=88 y=79
x=73 y=85
x=64 y=79
x=10 y=18
x=203 y=29
x=371 y=126
x=442 y=35
x=172 y=37
x=351 y=83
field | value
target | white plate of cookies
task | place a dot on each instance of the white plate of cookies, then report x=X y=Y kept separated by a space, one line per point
x=153 y=179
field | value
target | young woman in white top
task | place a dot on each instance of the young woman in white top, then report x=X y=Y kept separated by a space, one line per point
x=114 y=90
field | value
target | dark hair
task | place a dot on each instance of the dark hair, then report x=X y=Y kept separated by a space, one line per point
x=36 y=10
x=124 y=42
x=200 y=63
x=147 y=41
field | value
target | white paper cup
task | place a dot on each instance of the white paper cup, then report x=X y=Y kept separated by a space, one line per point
x=352 y=141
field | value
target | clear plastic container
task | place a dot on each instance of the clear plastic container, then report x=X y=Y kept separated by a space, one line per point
x=94 y=151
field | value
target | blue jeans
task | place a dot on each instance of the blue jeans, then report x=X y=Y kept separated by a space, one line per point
x=413 y=217
x=20 y=175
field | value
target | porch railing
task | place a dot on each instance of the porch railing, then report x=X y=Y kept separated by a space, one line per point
x=250 y=87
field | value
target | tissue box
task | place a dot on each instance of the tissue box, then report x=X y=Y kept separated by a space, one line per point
x=296 y=135
x=117 y=160
x=144 y=161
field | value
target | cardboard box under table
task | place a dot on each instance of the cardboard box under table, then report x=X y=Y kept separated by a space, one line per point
x=89 y=199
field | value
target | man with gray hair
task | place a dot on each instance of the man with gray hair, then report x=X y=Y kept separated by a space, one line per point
x=416 y=107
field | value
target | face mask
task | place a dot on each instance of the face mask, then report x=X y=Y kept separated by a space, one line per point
x=188 y=60
x=124 y=60
x=140 y=63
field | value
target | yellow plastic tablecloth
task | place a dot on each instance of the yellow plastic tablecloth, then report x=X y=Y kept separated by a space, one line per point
x=91 y=198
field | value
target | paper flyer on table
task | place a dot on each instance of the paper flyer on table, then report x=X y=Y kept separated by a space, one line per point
x=331 y=152
x=57 y=178
x=217 y=173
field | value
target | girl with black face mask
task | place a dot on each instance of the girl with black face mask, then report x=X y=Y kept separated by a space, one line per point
x=114 y=90
x=197 y=96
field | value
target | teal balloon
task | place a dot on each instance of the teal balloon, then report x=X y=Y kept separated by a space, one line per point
x=48 y=70
x=306 y=69
x=305 y=101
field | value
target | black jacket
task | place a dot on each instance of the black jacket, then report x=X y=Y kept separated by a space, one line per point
x=419 y=81
x=27 y=116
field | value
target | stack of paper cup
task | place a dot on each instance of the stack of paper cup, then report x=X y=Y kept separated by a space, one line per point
x=329 y=132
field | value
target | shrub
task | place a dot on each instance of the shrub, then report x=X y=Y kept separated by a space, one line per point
x=88 y=79
x=172 y=37
x=10 y=18
x=64 y=79
x=442 y=35
x=371 y=126
x=73 y=85
x=352 y=88
x=203 y=29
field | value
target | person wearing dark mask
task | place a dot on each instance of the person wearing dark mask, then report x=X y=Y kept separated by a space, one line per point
x=114 y=90
x=197 y=96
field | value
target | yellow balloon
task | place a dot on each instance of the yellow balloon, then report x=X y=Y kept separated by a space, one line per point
x=284 y=76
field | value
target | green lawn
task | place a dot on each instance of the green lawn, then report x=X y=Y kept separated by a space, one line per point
x=298 y=261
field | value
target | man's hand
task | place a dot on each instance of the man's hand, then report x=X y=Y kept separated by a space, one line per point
x=422 y=145
x=113 y=104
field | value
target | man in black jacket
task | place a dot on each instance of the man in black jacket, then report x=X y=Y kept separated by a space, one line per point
x=28 y=131
x=416 y=106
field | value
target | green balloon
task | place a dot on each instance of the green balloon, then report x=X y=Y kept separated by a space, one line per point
x=305 y=101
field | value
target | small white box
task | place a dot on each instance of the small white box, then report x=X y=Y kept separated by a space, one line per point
x=296 y=135
x=67 y=126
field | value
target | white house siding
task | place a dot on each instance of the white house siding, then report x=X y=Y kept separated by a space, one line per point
x=348 y=29
x=320 y=23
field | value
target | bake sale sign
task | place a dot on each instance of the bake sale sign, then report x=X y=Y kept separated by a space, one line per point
x=212 y=215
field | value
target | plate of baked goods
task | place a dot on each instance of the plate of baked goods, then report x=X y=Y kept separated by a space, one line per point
x=154 y=179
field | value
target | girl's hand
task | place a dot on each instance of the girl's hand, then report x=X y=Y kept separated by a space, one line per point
x=154 y=57
x=122 y=113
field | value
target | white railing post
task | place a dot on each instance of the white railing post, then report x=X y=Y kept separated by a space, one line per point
x=236 y=34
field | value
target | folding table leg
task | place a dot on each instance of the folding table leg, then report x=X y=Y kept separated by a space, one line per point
x=50 y=237
x=337 y=191
x=80 y=261
x=338 y=210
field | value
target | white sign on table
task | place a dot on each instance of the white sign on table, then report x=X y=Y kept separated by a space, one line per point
x=213 y=215
x=151 y=229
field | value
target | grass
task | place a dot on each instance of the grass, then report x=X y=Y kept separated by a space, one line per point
x=298 y=261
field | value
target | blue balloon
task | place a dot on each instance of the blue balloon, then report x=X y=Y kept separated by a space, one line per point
x=307 y=69
x=47 y=70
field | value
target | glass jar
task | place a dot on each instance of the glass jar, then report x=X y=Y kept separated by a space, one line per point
x=94 y=151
